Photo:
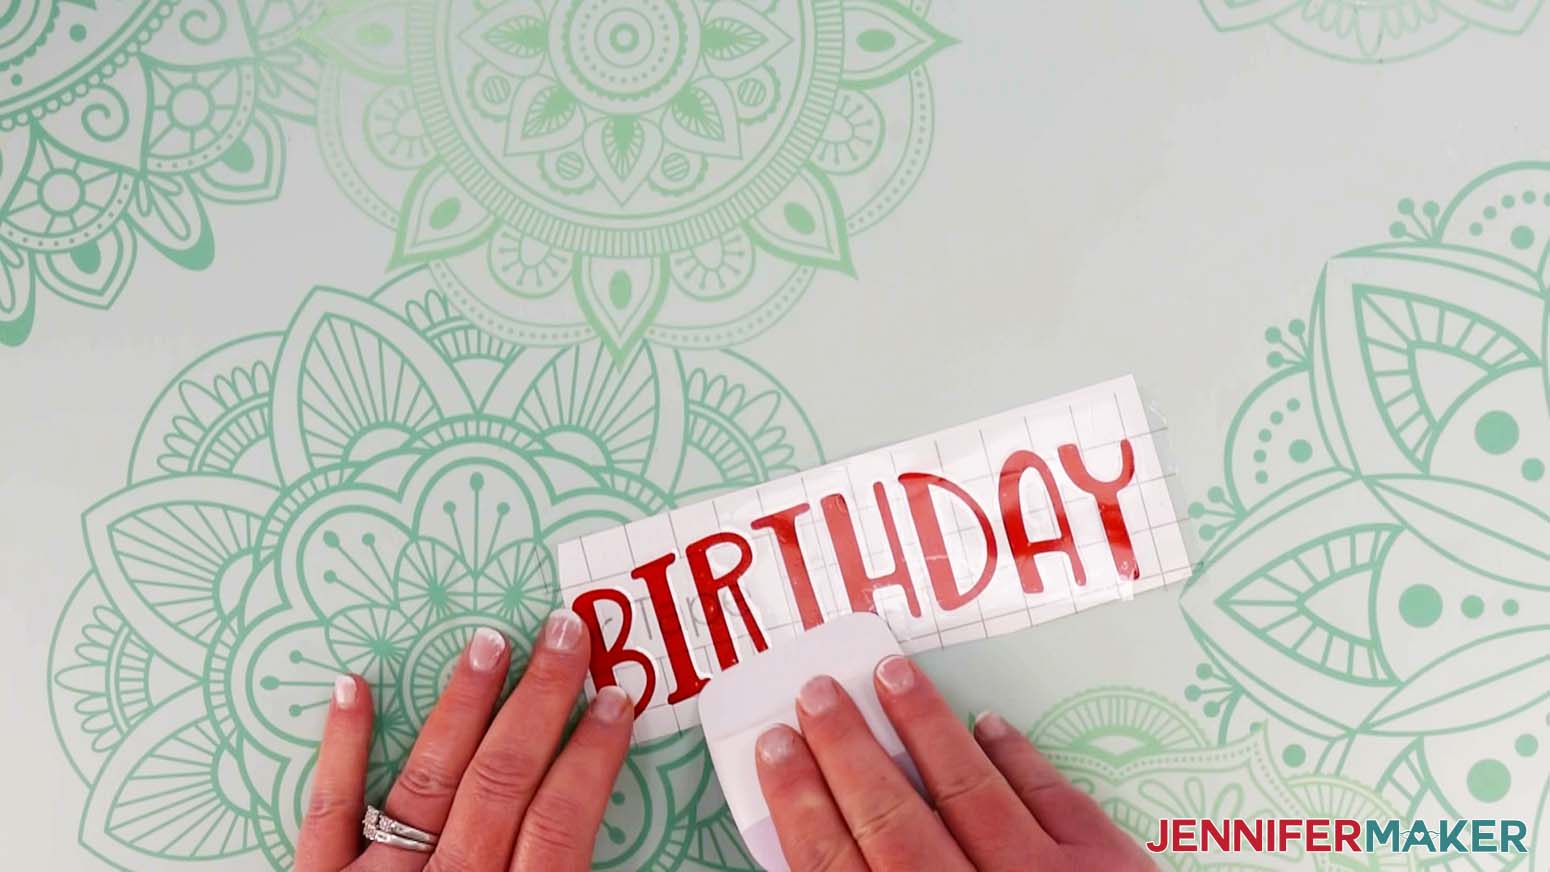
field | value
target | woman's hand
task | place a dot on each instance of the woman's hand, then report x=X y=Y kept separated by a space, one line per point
x=495 y=791
x=841 y=805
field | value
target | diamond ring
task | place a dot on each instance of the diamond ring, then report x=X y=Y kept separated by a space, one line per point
x=378 y=827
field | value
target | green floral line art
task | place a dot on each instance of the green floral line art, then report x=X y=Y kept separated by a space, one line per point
x=360 y=493
x=1146 y=758
x=671 y=170
x=1374 y=605
x=121 y=122
x=1373 y=31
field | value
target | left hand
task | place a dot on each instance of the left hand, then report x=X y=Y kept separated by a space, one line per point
x=502 y=794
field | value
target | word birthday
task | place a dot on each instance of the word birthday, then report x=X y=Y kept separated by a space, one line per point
x=1338 y=835
x=987 y=528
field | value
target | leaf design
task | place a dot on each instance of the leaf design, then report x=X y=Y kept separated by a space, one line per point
x=1235 y=14
x=544 y=117
x=1405 y=331
x=1489 y=531
x=522 y=36
x=623 y=149
x=1475 y=685
x=1505 y=16
x=726 y=38
x=94 y=272
x=368 y=38
x=439 y=218
x=1264 y=606
x=160 y=794
x=703 y=118
x=620 y=297
x=805 y=224
x=1311 y=603
x=162 y=550
x=16 y=295
x=168 y=212
x=512 y=37
x=735 y=39
x=249 y=170
x=883 y=41
x=350 y=370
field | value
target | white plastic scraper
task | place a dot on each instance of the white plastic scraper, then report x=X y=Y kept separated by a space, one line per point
x=760 y=692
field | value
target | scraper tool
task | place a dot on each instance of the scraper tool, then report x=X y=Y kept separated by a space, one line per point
x=740 y=704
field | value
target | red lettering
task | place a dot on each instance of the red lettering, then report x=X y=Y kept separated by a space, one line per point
x=1318 y=836
x=783 y=525
x=686 y=679
x=1346 y=831
x=1160 y=844
x=1243 y=836
x=1209 y=833
x=917 y=487
x=1023 y=550
x=607 y=657
x=862 y=587
x=1287 y=829
x=1107 y=494
x=709 y=585
x=1184 y=835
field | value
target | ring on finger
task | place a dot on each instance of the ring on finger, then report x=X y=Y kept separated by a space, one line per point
x=378 y=827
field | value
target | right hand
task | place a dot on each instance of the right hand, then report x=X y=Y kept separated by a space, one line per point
x=840 y=804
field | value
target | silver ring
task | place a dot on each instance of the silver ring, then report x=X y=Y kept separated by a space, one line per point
x=378 y=827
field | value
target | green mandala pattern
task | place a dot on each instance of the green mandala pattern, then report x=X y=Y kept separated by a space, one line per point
x=1373 y=31
x=1375 y=602
x=671 y=170
x=359 y=493
x=120 y=121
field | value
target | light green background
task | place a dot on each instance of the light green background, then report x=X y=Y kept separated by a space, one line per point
x=1114 y=187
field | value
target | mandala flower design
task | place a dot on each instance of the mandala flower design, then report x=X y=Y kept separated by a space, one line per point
x=1376 y=600
x=1145 y=759
x=1373 y=31
x=359 y=494
x=119 y=122
x=673 y=170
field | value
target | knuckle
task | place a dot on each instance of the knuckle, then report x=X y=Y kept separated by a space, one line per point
x=549 y=676
x=551 y=826
x=884 y=821
x=827 y=855
x=327 y=806
x=963 y=788
x=504 y=775
x=449 y=858
x=427 y=781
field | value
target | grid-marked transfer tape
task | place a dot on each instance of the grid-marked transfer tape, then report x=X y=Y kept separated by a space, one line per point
x=982 y=529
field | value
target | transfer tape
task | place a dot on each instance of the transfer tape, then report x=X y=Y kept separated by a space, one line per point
x=975 y=531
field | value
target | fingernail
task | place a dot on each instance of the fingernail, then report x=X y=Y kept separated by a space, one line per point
x=611 y=704
x=485 y=649
x=818 y=695
x=562 y=631
x=896 y=674
x=991 y=726
x=776 y=745
x=345 y=691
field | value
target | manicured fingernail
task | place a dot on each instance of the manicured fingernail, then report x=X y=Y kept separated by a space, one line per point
x=562 y=631
x=611 y=704
x=486 y=649
x=990 y=726
x=896 y=674
x=345 y=691
x=818 y=695
x=776 y=745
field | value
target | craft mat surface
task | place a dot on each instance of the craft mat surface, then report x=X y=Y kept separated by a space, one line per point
x=1065 y=193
